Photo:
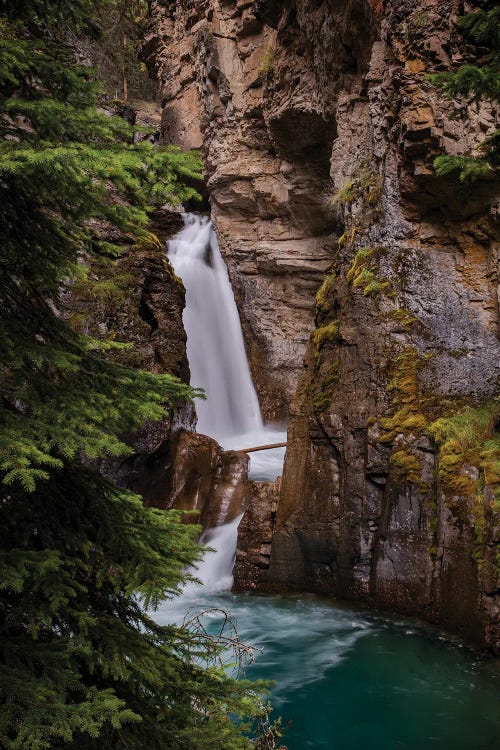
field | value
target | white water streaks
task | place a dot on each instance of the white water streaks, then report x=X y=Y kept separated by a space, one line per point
x=215 y=570
x=215 y=348
x=216 y=351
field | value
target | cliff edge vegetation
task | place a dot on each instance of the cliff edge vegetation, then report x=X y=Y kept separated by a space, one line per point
x=82 y=562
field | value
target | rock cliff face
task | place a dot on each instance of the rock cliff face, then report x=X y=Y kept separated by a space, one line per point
x=138 y=300
x=207 y=480
x=267 y=162
x=319 y=129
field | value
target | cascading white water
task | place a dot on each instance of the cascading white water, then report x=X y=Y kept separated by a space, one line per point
x=215 y=347
x=216 y=351
x=215 y=571
x=218 y=364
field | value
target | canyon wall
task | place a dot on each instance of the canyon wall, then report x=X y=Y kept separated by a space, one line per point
x=367 y=288
x=267 y=164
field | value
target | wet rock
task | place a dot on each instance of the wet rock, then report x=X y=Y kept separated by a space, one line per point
x=319 y=129
x=255 y=534
x=206 y=479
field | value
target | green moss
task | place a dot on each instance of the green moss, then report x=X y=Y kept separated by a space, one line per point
x=364 y=183
x=469 y=438
x=106 y=294
x=490 y=464
x=359 y=262
x=407 y=461
x=327 y=333
x=347 y=239
x=409 y=417
x=326 y=379
x=325 y=294
x=267 y=60
x=362 y=273
x=321 y=402
x=402 y=316
x=347 y=194
x=433 y=516
x=363 y=278
x=371 y=182
x=464 y=437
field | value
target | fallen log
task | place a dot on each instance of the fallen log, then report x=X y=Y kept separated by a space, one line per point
x=262 y=448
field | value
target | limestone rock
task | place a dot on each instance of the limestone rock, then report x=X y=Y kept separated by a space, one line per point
x=319 y=129
x=255 y=534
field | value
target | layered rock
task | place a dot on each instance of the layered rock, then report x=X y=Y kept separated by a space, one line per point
x=267 y=163
x=319 y=128
x=406 y=333
x=139 y=301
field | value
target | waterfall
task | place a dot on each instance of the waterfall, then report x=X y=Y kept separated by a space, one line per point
x=215 y=571
x=215 y=347
x=216 y=351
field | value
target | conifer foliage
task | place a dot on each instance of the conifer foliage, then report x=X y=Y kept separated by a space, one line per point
x=82 y=665
x=473 y=81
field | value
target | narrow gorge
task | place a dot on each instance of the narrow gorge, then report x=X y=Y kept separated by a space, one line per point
x=250 y=365
x=367 y=290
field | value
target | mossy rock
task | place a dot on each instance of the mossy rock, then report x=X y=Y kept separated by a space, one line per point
x=324 y=296
x=363 y=272
x=327 y=333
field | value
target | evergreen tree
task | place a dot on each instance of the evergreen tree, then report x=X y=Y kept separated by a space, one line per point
x=122 y=26
x=474 y=81
x=82 y=665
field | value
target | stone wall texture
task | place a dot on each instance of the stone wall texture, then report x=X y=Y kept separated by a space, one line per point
x=367 y=287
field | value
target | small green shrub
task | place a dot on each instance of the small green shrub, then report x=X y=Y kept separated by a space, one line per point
x=267 y=61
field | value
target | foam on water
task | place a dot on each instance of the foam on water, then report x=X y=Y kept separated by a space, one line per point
x=349 y=680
